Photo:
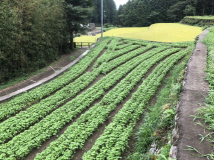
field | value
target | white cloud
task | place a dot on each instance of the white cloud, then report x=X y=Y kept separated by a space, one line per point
x=120 y=2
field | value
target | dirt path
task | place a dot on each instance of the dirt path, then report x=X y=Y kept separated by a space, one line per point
x=59 y=64
x=193 y=95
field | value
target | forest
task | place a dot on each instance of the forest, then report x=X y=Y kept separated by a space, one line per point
x=139 y=13
x=34 y=33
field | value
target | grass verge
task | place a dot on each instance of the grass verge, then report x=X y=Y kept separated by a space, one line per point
x=206 y=113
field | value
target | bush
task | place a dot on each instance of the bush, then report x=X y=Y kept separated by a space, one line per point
x=106 y=25
x=198 y=21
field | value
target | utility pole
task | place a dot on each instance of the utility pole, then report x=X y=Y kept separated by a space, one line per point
x=102 y=18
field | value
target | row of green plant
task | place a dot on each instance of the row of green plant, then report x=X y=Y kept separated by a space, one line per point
x=198 y=21
x=18 y=103
x=40 y=110
x=76 y=134
x=114 y=54
x=14 y=125
x=123 y=46
x=114 y=42
x=119 y=49
x=23 y=143
x=159 y=121
x=114 y=140
x=156 y=44
x=106 y=67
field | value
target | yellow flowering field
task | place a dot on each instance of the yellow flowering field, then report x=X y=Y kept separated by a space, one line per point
x=162 y=32
x=122 y=31
x=167 y=32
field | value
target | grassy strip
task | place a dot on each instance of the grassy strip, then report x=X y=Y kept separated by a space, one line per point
x=113 y=54
x=107 y=29
x=154 y=126
x=115 y=138
x=201 y=17
x=18 y=103
x=198 y=20
x=106 y=67
x=206 y=113
x=77 y=133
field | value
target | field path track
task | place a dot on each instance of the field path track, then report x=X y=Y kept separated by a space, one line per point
x=194 y=90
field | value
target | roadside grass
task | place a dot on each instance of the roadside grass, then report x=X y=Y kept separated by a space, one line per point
x=107 y=29
x=201 y=17
x=206 y=112
x=159 y=121
x=198 y=20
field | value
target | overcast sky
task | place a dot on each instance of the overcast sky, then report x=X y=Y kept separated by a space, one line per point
x=119 y=2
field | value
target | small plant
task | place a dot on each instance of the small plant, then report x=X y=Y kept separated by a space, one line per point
x=72 y=58
x=106 y=25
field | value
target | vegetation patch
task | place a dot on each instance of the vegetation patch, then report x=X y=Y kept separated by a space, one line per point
x=206 y=113
x=154 y=136
x=198 y=20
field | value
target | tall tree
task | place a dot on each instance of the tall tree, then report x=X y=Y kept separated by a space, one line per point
x=109 y=7
x=77 y=12
x=30 y=35
x=119 y=15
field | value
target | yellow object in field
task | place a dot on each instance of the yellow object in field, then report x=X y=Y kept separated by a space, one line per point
x=161 y=32
x=86 y=39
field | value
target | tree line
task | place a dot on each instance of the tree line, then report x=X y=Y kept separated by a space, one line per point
x=34 y=33
x=110 y=11
x=139 y=13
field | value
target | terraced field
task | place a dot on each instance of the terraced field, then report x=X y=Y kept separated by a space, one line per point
x=160 y=32
x=117 y=78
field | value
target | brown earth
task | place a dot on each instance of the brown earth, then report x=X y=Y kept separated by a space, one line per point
x=60 y=63
x=192 y=98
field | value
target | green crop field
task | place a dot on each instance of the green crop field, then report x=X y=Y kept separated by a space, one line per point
x=118 y=71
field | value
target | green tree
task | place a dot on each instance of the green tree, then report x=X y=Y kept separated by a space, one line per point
x=119 y=15
x=110 y=12
x=30 y=35
x=77 y=12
